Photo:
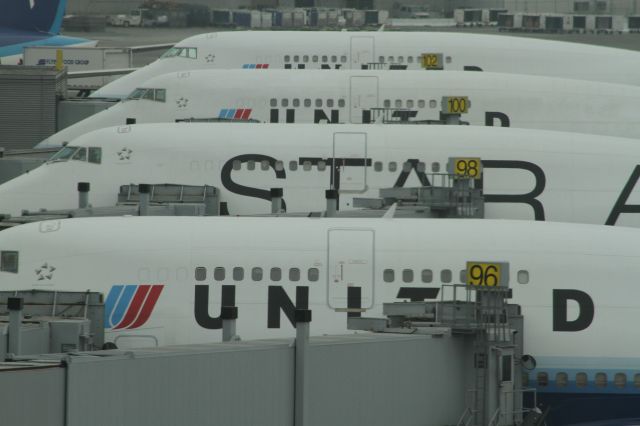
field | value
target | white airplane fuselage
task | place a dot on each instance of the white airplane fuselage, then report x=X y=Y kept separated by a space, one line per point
x=528 y=174
x=385 y=50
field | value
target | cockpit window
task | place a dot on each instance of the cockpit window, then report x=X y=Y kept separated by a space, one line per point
x=75 y=153
x=181 y=52
x=158 y=95
x=9 y=261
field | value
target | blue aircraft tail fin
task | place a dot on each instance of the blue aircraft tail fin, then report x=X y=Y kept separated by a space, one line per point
x=33 y=15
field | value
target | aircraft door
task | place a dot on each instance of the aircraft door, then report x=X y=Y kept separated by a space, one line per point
x=361 y=51
x=363 y=97
x=350 y=264
x=350 y=164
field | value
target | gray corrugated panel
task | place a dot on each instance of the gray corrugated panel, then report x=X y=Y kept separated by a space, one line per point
x=32 y=396
x=28 y=97
x=220 y=385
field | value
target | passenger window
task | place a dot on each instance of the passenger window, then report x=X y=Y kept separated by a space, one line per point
x=390 y=59
x=318 y=103
x=581 y=380
x=435 y=167
x=264 y=165
x=343 y=59
x=296 y=58
x=463 y=276
x=219 y=273
x=410 y=59
x=294 y=274
x=238 y=273
x=256 y=274
x=237 y=165
x=341 y=103
x=636 y=380
x=284 y=102
x=279 y=166
x=433 y=103
x=381 y=59
x=427 y=275
x=334 y=58
x=251 y=165
x=401 y=59
x=523 y=277
x=293 y=166
x=421 y=103
x=307 y=103
x=410 y=103
x=305 y=58
x=201 y=273
x=325 y=58
x=377 y=166
x=422 y=167
x=393 y=166
x=525 y=379
x=296 y=103
x=314 y=58
x=287 y=58
x=386 y=103
x=273 y=102
x=322 y=165
x=80 y=155
x=276 y=274
x=306 y=166
x=407 y=275
x=601 y=380
x=313 y=274
x=562 y=379
x=543 y=379
x=95 y=155
x=398 y=103
x=330 y=103
x=445 y=276
x=406 y=167
x=388 y=275
x=620 y=380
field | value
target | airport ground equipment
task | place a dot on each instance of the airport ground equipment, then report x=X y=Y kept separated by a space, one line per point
x=365 y=378
x=38 y=322
x=138 y=200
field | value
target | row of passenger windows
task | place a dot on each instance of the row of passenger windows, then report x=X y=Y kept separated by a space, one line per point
x=314 y=58
x=91 y=155
x=446 y=276
x=313 y=274
x=321 y=165
x=582 y=380
x=257 y=274
x=330 y=103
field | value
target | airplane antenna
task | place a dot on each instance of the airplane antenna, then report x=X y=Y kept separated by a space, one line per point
x=391 y=212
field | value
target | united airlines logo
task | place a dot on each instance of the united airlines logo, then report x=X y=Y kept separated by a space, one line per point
x=255 y=66
x=235 y=113
x=130 y=306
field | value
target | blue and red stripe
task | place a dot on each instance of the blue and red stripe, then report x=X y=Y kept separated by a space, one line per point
x=130 y=306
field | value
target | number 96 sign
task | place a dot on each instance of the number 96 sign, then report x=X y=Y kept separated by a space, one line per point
x=487 y=274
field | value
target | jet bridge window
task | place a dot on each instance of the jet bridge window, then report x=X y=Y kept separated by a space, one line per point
x=9 y=261
x=581 y=380
x=181 y=52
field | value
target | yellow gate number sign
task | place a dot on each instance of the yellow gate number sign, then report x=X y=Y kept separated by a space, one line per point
x=432 y=61
x=486 y=274
x=467 y=167
x=456 y=104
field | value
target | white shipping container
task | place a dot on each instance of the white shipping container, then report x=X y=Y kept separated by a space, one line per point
x=82 y=59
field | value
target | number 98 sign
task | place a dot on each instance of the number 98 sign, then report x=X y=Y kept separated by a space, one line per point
x=486 y=274
x=467 y=167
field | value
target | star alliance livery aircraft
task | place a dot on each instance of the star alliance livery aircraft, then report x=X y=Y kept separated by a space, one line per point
x=32 y=23
x=165 y=278
x=526 y=174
